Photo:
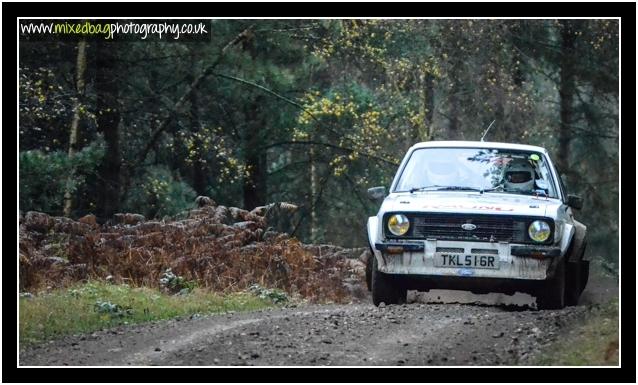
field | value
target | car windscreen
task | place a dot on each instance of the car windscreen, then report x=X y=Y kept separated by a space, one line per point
x=481 y=169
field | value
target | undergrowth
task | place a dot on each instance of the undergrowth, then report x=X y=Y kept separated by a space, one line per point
x=84 y=308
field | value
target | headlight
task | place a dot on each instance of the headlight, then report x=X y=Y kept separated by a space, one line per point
x=539 y=231
x=398 y=224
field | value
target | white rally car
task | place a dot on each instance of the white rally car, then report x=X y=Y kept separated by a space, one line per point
x=478 y=216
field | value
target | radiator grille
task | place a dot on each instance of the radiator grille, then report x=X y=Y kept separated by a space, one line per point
x=489 y=228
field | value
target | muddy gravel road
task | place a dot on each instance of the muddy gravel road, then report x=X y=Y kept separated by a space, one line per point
x=467 y=330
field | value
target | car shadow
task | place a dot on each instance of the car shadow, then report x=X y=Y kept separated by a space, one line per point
x=516 y=302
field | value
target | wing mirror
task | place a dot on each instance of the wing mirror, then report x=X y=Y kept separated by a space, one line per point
x=376 y=193
x=574 y=201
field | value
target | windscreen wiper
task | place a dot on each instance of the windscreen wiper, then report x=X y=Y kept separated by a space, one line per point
x=423 y=188
x=537 y=193
x=460 y=188
x=497 y=188
x=444 y=188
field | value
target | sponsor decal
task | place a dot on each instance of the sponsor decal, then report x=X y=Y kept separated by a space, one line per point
x=475 y=207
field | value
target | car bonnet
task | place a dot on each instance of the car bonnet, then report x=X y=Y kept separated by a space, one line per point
x=473 y=202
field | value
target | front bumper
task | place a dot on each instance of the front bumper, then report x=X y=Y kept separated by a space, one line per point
x=524 y=262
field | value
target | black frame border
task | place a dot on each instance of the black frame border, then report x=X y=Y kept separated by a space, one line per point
x=626 y=11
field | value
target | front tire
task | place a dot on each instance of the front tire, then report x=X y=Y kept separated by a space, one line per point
x=369 y=262
x=551 y=295
x=384 y=288
x=572 y=284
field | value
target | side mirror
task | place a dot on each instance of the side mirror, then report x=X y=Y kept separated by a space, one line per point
x=376 y=193
x=574 y=201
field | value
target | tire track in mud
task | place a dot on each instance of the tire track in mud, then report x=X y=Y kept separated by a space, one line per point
x=150 y=355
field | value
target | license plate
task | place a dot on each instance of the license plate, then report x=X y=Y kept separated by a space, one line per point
x=472 y=261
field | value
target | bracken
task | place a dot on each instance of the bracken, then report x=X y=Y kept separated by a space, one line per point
x=220 y=248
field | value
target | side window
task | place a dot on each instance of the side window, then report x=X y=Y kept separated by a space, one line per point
x=562 y=182
x=546 y=176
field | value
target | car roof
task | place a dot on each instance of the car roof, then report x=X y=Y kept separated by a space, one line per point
x=477 y=144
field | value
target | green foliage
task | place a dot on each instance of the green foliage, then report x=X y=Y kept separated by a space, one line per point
x=112 y=309
x=44 y=107
x=44 y=177
x=95 y=305
x=175 y=283
x=160 y=193
x=275 y=295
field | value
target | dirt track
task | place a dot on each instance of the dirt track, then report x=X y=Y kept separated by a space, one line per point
x=355 y=334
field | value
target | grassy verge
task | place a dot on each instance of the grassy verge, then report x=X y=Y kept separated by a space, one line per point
x=593 y=344
x=95 y=305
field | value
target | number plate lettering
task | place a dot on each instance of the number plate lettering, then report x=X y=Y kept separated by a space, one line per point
x=473 y=261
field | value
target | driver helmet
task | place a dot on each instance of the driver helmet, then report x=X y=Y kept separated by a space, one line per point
x=442 y=172
x=518 y=175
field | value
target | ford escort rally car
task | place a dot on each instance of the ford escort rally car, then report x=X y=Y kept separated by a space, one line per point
x=478 y=216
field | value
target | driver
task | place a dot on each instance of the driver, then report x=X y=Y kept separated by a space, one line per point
x=518 y=175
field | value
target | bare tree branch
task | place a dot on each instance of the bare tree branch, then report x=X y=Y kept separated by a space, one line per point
x=304 y=109
x=194 y=84
x=330 y=145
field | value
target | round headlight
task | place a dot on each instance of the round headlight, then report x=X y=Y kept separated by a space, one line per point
x=539 y=231
x=398 y=224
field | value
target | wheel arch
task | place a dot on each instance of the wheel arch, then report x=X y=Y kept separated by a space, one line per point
x=578 y=243
x=373 y=238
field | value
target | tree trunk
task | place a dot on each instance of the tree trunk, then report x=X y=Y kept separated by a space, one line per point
x=428 y=104
x=254 y=152
x=518 y=76
x=80 y=86
x=199 y=176
x=453 y=128
x=423 y=130
x=254 y=181
x=314 y=192
x=108 y=121
x=566 y=92
x=455 y=78
x=500 y=129
x=254 y=156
